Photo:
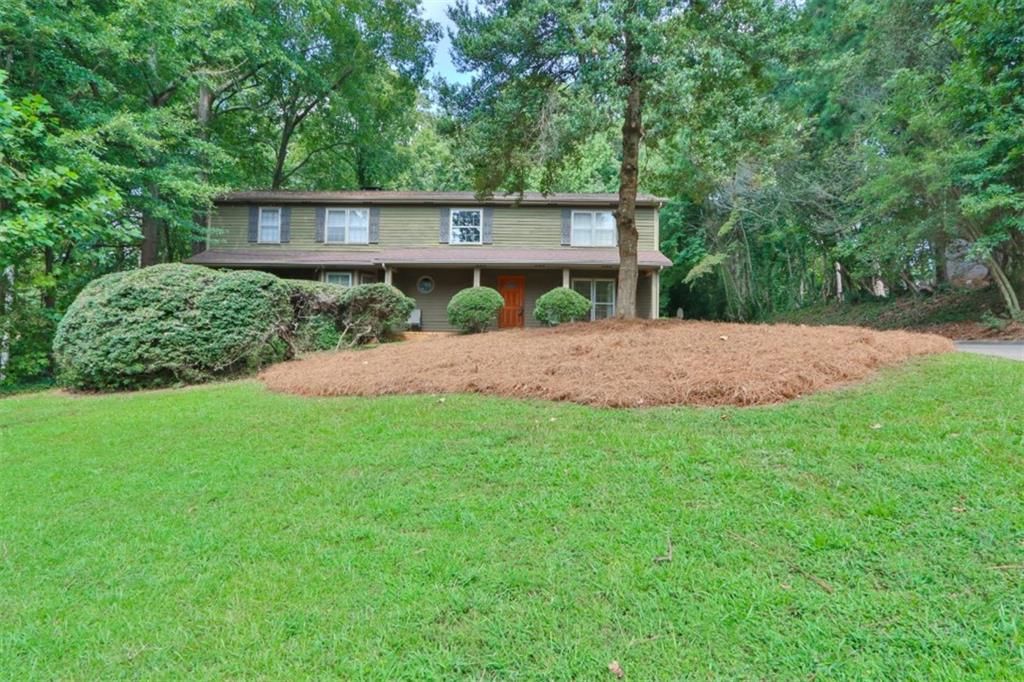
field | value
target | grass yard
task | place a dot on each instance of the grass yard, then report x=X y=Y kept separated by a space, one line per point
x=225 y=531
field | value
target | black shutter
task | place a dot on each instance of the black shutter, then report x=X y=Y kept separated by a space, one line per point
x=321 y=218
x=286 y=224
x=488 y=232
x=254 y=223
x=374 y=224
x=445 y=225
x=566 y=227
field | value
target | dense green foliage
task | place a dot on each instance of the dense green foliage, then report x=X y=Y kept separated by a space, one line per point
x=374 y=312
x=475 y=309
x=894 y=141
x=228 y=532
x=170 y=324
x=561 y=305
x=318 y=314
x=173 y=324
x=120 y=120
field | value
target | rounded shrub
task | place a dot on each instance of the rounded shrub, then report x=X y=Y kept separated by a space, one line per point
x=561 y=305
x=374 y=311
x=473 y=310
x=170 y=324
x=317 y=311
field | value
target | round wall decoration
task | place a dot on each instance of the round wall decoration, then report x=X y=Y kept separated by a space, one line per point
x=425 y=284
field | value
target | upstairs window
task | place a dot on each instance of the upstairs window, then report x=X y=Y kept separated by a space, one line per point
x=270 y=226
x=466 y=226
x=347 y=226
x=593 y=228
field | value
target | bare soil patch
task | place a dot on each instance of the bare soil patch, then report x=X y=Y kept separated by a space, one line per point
x=615 y=363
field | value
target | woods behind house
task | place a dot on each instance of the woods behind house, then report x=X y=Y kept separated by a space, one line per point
x=805 y=147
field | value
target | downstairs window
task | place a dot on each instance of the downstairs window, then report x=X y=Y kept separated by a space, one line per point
x=341 y=278
x=600 y=293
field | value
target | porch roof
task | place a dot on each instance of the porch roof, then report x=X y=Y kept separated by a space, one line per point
x=470 y=256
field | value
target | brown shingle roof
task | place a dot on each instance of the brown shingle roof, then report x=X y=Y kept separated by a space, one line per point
x=430 y=255
x=393 y=197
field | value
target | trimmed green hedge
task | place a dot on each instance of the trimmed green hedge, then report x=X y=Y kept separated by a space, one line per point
x=561 y=305
x=473 y=310
x=374 y=311
x=318 y=309
x=173 y=324
x=170 y=324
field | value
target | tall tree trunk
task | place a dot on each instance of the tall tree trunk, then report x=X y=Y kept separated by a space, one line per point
x=282 y=155
x=49 y=298
x=629 y=171
x=204 y=107
x=150 y=251
x=1005 y=286
x=995 y=269
x=150 y=240
x=939 y=245
x=7 y=300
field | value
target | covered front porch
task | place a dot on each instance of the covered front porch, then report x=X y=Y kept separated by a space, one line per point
x=433 y=287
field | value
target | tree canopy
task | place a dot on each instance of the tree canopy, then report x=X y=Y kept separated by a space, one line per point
x=553 y=75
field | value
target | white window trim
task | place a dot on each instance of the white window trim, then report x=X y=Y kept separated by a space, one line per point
x=593 y=224
x=259 y=224
x=451 y=226
x=593 y=292
x=351 y=276
x=348 y=218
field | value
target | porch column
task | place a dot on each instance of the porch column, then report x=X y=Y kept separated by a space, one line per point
x=387 y=275
x=476 y=277
x=565 y=277
x=655 y=293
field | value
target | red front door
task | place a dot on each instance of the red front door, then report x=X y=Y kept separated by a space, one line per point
x=513 y=289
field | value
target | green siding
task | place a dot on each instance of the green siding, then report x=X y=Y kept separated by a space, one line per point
x=434 y=305
x=527 y=226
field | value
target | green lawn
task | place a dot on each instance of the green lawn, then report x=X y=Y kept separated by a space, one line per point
x=223 y=531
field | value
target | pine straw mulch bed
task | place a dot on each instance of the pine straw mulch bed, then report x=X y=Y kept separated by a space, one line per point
x=614 y=363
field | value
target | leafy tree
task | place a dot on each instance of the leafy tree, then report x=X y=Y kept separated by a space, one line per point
x=339 y=75
x=552 y=74
x=984 y=98
x=431 y=160
x=54 y=197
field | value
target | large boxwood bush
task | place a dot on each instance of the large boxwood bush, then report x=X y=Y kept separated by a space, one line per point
x=318 y=310
x=374 y=312
x=561 y=305
x=473 y=310
x=170 y=324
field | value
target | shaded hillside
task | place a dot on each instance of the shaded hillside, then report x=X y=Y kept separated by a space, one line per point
x=961 y=314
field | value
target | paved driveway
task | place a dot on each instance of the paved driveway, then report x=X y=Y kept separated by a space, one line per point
x=1013 y=350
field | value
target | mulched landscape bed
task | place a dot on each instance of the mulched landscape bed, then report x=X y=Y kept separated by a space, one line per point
x=615 y=363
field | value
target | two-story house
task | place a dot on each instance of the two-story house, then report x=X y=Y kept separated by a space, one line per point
x=430 y=245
